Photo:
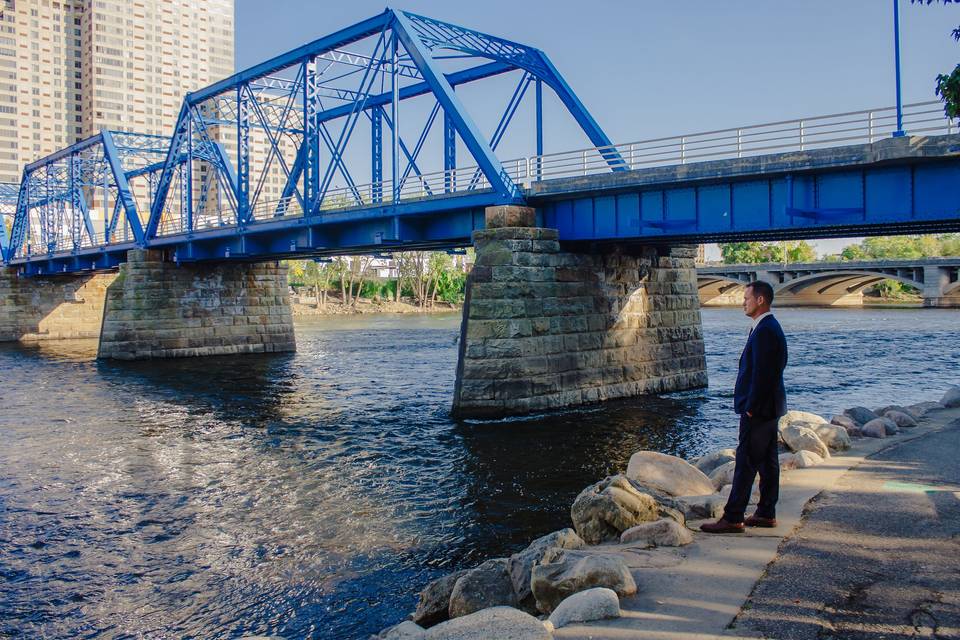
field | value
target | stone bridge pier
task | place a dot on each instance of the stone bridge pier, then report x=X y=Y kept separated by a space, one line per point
x=154 y=308
x=546 y=327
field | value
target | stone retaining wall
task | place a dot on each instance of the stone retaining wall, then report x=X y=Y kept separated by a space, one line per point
x=157 y=309
x=51 y=307
x=545 y=328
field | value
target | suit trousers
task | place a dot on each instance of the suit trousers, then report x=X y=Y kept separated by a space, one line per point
x=757 y=453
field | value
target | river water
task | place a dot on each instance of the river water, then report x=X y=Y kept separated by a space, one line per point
x=312 y=495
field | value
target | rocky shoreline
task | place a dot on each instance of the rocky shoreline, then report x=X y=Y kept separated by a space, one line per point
x=576 y=576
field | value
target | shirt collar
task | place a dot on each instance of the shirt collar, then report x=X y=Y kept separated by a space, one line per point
x=757 y=320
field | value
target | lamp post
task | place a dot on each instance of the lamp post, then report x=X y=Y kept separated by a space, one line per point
x=896 y=61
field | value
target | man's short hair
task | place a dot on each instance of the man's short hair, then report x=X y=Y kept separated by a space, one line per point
x=761 y=288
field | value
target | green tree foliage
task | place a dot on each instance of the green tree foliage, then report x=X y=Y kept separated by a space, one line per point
x=760 y=252
x=903 y=247
x=948 y=84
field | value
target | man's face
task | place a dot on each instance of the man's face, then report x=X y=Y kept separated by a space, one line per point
x=750 y=302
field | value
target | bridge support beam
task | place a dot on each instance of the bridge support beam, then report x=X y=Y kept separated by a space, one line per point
x=936 y=284
x=157 y=309
x=545 y=328
x=56 y=307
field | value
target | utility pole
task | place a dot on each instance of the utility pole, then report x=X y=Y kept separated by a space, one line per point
x=896 y=61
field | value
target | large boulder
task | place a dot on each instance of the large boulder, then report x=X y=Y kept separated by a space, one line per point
x=951 y=399
x=406 y=630
x=593 y=604
x=890 y=426
x=921 y=409
x=606 y=509
x=901 y=419
x=670 y=474
x=434 y=605
x=715 y=459
x=890 y=407
x=844 y=421
x=799 y=416
x=563 y=573
x=835 y=437
x=665 y=532
x=801 y=438
x=876 y=428
x=521 y=564
x=495 y=622
x=860 y=415
x=799 y=460
x=486 y=586
x=723 y=475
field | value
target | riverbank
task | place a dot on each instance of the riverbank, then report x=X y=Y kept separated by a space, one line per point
x=334 y=307
x=685 y=584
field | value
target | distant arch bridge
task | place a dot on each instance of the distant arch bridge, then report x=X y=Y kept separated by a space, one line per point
x=831 y=283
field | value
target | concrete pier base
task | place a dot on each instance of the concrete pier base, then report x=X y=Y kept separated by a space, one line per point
x=545 y=328
x=157 y=309
x=51 y=307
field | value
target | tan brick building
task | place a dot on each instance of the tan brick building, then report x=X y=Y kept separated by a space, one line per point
x=69 y=68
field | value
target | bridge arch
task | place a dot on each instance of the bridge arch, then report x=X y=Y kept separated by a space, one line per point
x=721 y=289
x=850 y=280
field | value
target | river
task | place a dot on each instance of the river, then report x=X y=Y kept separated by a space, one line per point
x=312 y=495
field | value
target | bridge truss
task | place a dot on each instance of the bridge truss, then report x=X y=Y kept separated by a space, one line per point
x=343 y=122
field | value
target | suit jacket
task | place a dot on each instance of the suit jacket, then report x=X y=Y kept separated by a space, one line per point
x=759 y=389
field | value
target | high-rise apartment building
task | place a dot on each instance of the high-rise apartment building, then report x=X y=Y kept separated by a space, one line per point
x=71 y=67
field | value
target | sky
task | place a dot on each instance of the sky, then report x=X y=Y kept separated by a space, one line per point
x=648 y=69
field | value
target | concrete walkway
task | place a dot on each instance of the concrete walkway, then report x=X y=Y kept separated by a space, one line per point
x=698 y=591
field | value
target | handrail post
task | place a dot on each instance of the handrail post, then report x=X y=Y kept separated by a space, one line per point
x=683 y=149
x=583 y=162
x=870 y=125
x=801 y=135
x=739 y=143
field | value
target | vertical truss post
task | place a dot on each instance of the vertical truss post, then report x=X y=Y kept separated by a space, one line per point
x=79 y=201
x=74 y=210
x=395 y=116
x=188 y=186
x=311 y=137
x=376 y=141
x=184 y=207
x=449 y=154
x=539 y=108
x=243 y=157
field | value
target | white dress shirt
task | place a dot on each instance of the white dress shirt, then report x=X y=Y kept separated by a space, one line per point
x=757 y=320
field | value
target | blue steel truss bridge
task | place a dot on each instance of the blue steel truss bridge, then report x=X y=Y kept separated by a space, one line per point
x=370 y=140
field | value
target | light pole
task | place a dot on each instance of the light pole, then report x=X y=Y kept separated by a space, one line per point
x=896 y=61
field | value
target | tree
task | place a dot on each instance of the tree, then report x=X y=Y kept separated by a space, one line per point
x=948 y=84
x=760 y=252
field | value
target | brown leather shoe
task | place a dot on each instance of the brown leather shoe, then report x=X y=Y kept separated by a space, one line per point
x=760 y=521
x=722 y=526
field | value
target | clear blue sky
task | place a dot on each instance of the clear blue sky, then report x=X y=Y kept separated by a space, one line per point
x=649 y=69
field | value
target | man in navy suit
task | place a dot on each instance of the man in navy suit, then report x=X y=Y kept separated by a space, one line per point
x=760 y=399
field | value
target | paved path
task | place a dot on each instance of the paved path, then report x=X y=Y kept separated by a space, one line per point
x=877 y=555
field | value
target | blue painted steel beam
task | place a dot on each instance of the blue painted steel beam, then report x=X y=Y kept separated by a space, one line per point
x=123 y=187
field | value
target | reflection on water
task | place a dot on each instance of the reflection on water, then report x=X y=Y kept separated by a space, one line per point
x=312 y=494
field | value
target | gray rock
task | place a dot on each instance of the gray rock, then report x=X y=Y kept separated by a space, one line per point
x=860 y=415
x=844 y=421
x=521 y=564
x=670 y=474
x=593 y=604
x=890 y=407
x=799 y=416
x=951 y=399
x=662 y=533
x=434 y=605
x=701 y=507
x=890 y=426
x=502 y=623
x=921 y=409
x=901 y=419
x=876 y=428
x=406 y=630
x=723 y=474
x=486 y=586
x=715 y=459
x=606 y=509
x=801 y=438
x=563 y=573
x=800 y=460
x=834 y=436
